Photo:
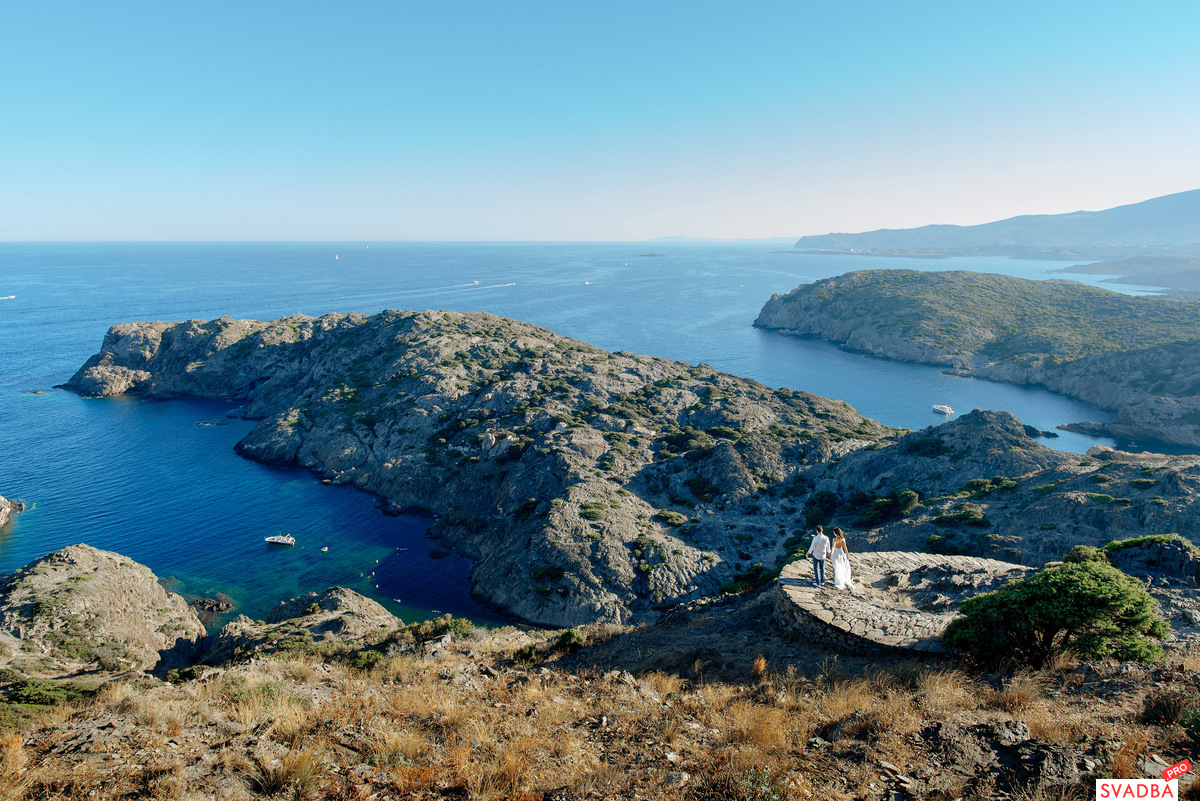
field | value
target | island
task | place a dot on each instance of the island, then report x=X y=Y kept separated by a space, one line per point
x=1136 y=356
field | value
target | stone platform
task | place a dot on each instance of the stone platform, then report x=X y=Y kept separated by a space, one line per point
x=899 y=600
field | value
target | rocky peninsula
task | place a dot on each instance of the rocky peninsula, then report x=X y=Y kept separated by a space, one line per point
x=1132 y=355
x=590 y=486
x=599 y=487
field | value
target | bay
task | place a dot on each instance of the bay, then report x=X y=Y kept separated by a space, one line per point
x=160 y=483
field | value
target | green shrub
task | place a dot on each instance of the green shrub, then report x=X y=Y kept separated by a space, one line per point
x=1085 y=553
x=569 y=641
x=670 y=518
x=1108 y=499
x=887 y=508
x=1151 y=539
x=1142 y=483
x=1089 y=607
x=527 y=508
x=44 y=692
x=553 y=572
x=365 y=660
x=702 y=488
x=527 y=656
x=819 y=508
x=594 y=510
x=1191 y=724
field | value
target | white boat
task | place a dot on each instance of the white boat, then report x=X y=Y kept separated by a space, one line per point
x=944 y=409
x=282 y=539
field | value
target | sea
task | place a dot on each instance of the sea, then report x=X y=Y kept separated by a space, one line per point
x=159 y=482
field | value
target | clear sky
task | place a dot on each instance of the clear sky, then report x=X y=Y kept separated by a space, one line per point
x=576 y=120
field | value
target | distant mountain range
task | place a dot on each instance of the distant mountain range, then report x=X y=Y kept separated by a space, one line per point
x=1168 y=221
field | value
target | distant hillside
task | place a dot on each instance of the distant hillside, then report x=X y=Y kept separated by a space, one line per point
x=1168 y=220
x=1137 y=356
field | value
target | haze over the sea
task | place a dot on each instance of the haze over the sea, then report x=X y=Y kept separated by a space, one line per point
x=572 y=121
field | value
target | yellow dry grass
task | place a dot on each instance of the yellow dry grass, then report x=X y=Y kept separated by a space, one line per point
x=407 y=728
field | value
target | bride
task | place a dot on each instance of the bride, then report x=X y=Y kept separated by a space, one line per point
x=841 y=562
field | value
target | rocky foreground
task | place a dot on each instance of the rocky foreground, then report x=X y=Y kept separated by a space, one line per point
x=599 y=487
x=1135 y=356
x=330 y=697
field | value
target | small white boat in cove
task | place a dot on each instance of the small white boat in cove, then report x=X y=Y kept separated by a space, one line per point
x=944 y=409
x=282 y=539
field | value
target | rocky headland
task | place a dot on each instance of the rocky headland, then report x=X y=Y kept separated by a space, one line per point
x=1135 y=356
x=599 y=487
x=588 y=485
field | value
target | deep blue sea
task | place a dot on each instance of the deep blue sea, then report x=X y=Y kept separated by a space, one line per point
x=160 y=483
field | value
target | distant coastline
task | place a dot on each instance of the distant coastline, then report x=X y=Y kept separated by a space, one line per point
x=1136 y=356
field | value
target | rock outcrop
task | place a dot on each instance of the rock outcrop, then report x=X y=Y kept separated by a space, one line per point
x=82 y=610
x=986 y=488
x=588 y=485
x=1135 y=356
x=337 y=617
x=9 y=508
x=899 y=601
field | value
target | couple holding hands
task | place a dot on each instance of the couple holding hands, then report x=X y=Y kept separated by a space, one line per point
x=820 y=549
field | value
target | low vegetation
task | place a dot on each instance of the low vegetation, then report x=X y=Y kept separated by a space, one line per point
x=713 y=706
x=1086 y=606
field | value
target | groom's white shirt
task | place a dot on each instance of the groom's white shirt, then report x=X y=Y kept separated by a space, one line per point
x=820 y=547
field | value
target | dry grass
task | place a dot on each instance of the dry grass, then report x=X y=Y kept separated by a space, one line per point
x=296 y=727
x=297 y=770
x=1189 y=658
x=13 y=759
x=759 y=667
x=1021 y=690
x=941 y=693
x=763 y=727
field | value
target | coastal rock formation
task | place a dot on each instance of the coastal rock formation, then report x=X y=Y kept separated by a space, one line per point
x=337 y=617
x=9 y=508
x=984 y=487
x=588 y=485
x=81 y=609
x=1136 y=356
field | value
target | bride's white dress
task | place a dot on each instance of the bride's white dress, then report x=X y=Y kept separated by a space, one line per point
x=841 y=569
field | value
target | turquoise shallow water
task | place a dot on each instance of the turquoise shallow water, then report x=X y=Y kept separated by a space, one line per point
x=160 y=483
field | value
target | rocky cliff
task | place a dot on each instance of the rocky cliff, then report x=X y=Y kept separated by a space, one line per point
x=9 y=509
x=590 y=486
x=82 y=610
x=1136 y=356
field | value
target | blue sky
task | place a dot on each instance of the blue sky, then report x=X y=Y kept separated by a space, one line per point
x=582 y=121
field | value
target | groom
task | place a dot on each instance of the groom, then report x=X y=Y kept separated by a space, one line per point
x=818 y=550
